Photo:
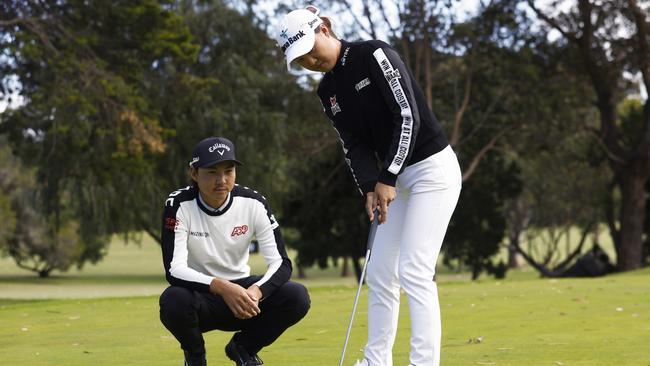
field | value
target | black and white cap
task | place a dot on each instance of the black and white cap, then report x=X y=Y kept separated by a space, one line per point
x=213 y=150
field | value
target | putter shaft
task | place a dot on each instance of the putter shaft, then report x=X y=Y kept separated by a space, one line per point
x=371 y=239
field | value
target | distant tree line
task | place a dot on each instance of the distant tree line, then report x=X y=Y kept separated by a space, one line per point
x=551 y=132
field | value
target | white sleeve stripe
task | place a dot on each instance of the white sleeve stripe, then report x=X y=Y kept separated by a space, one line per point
x=272 y=269
x=392 y=76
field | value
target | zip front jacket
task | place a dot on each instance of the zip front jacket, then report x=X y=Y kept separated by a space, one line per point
x=379 y=112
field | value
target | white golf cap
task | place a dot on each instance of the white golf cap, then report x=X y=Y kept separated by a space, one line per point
x=296 y=34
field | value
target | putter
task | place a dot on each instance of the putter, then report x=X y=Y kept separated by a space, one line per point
x=371 y=239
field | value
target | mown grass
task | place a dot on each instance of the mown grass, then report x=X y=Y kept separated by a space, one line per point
x=107 y=314
x=604 y=321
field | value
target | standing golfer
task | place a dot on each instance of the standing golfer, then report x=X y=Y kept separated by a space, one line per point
x=398 y=155
x=207 y=230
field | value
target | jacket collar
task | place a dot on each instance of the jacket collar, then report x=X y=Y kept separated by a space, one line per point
x=343 y=56
x=211 y=210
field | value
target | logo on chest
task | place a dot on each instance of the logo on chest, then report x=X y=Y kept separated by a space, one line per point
x=334 y=106
x=239 y=230
x=362 y=84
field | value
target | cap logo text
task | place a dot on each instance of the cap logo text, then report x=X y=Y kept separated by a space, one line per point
x=219 y=145
x=292 y=40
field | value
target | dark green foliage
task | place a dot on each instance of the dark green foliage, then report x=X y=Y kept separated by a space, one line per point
x=478 y=224
x=87 y=124
x=328 y=210
x=118 y=93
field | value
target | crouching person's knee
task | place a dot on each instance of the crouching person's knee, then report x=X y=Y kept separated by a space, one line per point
x=300 y=301
x=175 y=306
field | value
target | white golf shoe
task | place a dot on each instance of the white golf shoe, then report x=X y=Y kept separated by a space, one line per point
x=361 y=363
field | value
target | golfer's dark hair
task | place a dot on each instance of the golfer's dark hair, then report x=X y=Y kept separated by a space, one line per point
x=328 y=23
x=191 y=181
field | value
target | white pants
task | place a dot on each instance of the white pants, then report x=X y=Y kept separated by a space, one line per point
x=404 y=253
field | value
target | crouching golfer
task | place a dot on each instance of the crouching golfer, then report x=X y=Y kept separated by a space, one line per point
x=207 y=229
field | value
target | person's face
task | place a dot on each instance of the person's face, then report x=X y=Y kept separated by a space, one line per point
x=324 y=55
x=215 y=182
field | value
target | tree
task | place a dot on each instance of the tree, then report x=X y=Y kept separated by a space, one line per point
x=328 y=211
x=87 y=125
x=560 y=192
x=27 y=235
x=478 y=224
x=237 y=87
x=609 y=39
x=9 y=171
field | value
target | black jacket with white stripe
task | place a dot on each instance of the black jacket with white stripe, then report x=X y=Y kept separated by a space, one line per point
x=379 y=112
x=200 y=243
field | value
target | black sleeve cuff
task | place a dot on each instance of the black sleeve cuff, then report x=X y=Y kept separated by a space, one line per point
x=387 y=177
x=367 y=187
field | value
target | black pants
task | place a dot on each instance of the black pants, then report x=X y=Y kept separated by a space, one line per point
x=187 y=314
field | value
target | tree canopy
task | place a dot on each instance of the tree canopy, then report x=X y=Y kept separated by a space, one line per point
x=550 y=131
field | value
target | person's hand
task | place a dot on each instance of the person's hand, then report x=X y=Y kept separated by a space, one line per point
x=236 y=297
x=255 y=294
x=370 y=205
x=380 y=199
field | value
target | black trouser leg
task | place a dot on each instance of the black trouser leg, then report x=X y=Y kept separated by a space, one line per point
x=284 y=308
x=187 y=314
x=179 y=313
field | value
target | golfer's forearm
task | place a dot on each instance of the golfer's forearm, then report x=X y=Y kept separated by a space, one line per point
x=218 y=285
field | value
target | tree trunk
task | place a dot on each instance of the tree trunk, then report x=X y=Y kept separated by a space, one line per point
x=357 y=267
x=345 y=268
x=632 y=182
x=301 y=272
x=44 y=273
x=514 y=258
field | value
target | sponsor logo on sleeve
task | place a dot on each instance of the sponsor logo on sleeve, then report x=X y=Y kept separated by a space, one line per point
x=392 y=76
x=172 y=223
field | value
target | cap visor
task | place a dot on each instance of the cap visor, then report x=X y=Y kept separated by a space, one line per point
x=215 y=162
x=301 y=47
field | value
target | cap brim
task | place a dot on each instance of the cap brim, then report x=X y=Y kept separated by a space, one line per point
x=301 y=47
x=215 y=162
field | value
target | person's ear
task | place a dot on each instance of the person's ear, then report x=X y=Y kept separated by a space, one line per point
x=324 y=30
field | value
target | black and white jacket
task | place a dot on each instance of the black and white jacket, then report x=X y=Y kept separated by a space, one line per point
x=379 y=112
x=200 y=243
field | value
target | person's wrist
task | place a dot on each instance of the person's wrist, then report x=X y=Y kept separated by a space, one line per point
x=216 y=286
x=257 y=291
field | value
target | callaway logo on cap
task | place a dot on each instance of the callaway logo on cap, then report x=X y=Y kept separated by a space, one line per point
x=296 y=34
x=213 y=150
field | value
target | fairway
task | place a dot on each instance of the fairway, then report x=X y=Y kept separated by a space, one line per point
x=107 y=314
x=526 y=322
